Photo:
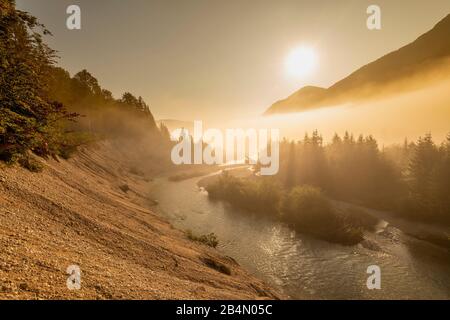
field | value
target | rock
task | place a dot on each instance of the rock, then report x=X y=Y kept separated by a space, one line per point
x=216 y=265
x=23 y=286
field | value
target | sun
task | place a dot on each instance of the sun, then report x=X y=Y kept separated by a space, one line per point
x=301 y=62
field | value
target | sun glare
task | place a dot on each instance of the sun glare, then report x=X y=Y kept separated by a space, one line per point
x=301 y=62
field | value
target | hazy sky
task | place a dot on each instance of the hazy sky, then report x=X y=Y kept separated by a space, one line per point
x=214 y=60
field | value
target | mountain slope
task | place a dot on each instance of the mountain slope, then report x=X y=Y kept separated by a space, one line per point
x=76 y=213
x=426 y=54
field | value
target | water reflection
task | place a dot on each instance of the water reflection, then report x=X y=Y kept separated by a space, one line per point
x=304 y=267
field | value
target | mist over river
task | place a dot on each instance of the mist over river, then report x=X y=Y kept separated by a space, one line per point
x=390 y=120
x=304 y=267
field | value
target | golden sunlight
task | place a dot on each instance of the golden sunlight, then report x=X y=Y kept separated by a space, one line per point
x=301 y=62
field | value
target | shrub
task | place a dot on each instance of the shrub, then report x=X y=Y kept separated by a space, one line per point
x=207 y=239
x=309 y=211
x=304 y=207
x=70 y=143
x=262 y=195
x=30 y=163
x=358 y=218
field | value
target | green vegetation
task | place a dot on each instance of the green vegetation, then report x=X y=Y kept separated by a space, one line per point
x=309 y=211
x=207 y=239
x=350 y=169
x=428 y=180
x=258 y=195
x=360 y=218
x=31 y=163
x=45 y=111
x=103 y=114
x=304 y=207
x=29 y=119
x=412 y=181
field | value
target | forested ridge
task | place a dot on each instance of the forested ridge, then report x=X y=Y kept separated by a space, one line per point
x=412 y=178
x=45 y=111
x=409 y=180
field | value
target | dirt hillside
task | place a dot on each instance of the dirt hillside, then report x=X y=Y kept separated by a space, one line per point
x=79 y=212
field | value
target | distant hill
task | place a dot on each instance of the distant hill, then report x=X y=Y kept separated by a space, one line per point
x=429 y=51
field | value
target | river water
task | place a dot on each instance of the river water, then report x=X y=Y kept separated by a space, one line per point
x=304 y=267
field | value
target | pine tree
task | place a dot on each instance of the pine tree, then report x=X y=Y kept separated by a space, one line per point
x=29 y=119
x=440 y=187
x=291 y=171
x=421 y=170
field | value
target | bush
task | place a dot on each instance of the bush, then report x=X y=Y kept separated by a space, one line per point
x=30 y=163
x=360 y=219
x=207 y=239
x=307 y=209
x=307 y=203
x=70 y=143
x=262 y=195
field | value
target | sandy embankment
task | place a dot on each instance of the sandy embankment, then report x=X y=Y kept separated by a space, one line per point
x=75 y=213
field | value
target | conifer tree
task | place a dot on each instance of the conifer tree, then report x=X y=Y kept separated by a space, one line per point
x=29 y=119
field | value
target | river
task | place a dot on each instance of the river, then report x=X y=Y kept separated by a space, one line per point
x=304 y=267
